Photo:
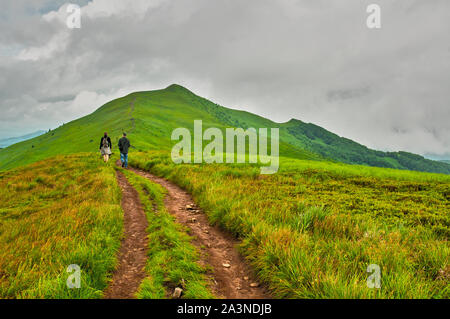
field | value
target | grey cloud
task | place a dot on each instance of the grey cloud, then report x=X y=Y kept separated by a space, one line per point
x=347 y=94
x=311 y=60
x=53 y=99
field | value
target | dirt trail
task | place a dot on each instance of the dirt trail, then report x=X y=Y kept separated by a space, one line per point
x=231 y=277
x=133 y=251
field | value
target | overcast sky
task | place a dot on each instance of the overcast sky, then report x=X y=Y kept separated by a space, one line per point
x=314 y=60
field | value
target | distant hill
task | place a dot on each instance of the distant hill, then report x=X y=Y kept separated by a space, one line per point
x=331 y=146
x=13 y=140
x=445 y=161
x=150 y=117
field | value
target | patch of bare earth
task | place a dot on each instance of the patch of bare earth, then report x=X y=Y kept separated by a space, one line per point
x=132 y=256
x=230 y=277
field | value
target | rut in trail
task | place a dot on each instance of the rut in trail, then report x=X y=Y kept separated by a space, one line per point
x=133 y=251
x=232 y=281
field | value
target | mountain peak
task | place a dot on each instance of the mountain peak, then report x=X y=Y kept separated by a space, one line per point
x=177 y=88
x=294 y=121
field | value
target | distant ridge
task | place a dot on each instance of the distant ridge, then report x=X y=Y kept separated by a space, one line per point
x=13 y=140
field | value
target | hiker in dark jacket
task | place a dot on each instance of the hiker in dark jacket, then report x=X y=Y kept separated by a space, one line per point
x=124 y=145
x=105 y=147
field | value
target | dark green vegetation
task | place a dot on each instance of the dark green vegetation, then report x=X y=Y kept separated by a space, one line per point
x=312 y=230
x=331 y=146
x=173 y=260
x=150 y=117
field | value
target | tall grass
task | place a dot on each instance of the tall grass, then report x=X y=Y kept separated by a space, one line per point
x=55 y=213
x=312 y=230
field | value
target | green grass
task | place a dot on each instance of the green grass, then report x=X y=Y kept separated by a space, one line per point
x=312 y=230
x=66 y=210
x=172 y=258
x=63 y=211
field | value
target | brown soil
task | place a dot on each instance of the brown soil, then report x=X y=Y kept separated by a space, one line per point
x=133 y=251
x=217 y=248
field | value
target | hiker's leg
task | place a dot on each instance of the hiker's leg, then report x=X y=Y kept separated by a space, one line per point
x=126 y=160
x=107 y=158
x=122 y=159
x=104 y=158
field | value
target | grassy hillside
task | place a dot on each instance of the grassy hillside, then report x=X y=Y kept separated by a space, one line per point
x=331 y=146
x=150 y=117
x=312 y=230
x=53 y=214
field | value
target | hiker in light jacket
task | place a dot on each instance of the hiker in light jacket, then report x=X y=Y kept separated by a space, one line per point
x=105 y=147
x=124 y=145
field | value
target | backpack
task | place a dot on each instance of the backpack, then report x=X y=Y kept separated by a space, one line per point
x=105 y=143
